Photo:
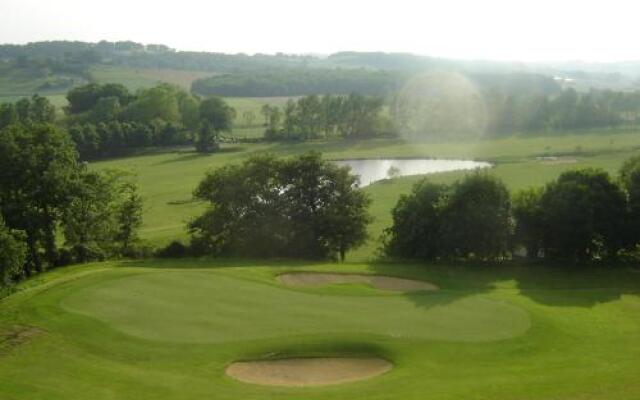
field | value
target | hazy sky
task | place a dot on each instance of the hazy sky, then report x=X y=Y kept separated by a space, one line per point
x=527 y=30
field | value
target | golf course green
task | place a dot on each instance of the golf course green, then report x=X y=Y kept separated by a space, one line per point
x=169 y=329
x=189 y=328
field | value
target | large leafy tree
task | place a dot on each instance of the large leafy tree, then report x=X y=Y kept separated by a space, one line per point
x=476 y=221
x=216 y=112
x=302 y=207
x=415 y=232
x=38 y=168
x=103 y=216
x=585 y=216
x=327 y=213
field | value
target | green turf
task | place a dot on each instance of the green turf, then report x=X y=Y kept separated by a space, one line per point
x=248 y=311
x=167 y=329
x=167 y=180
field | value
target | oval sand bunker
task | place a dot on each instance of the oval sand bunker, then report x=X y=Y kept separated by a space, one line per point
x=302 y=372
x=377 y=281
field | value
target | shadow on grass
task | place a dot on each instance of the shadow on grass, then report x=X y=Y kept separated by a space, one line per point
x=193 y=155
x=557 y=285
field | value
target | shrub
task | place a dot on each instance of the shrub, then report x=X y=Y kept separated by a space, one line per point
x=174 y=249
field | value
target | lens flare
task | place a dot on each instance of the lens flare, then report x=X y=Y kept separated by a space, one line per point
x=440 y=105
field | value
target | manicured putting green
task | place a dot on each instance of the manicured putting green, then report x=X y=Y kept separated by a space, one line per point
x=197 y=306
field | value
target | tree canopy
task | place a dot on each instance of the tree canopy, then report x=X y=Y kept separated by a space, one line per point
x=469 y=219
x=300 y=207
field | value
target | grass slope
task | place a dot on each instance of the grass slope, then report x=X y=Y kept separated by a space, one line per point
x=167 y=180
x=138 y=78
x=571 y=336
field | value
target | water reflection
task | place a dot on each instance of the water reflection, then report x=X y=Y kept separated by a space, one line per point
x=371 y=171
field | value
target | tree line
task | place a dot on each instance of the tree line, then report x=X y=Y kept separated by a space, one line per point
x=312 y=117
x=568 y=110
x=300 y=82
x=53 y=209
x=582 y=216
x=107 y=120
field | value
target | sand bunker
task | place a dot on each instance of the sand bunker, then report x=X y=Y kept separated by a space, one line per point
x=302 y=372
x=305 y=279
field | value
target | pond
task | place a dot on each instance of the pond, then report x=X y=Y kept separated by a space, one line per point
x=373 y=170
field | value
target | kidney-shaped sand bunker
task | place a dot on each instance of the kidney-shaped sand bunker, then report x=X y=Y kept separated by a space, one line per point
x=310 y=279
x=304 y=372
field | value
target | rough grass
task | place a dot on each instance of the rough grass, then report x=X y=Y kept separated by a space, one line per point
x=137 y=78
x=146 y=337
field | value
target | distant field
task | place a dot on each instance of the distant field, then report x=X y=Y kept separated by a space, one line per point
x=137 y=78
x=15 y=85
x=167 y=180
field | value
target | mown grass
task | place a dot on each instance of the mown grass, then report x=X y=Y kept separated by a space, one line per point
x=167 y=180
x=167 y=330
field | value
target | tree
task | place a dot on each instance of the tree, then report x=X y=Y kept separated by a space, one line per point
x=417 y=219
x=88 y=219
x=476 y=221
x=159 y=102
x=529 y=216
x=585 y=216
x=630 y=180
x=393 y=172
x=128 y=216
x=249 y=117
x=329 y=216
x=84 y=98
x=265 y=110
x=8 y=115
x=302 y=207
x=38 y=165
x=274 y=122
x=207 y=139
x=215 y=112
x=13 y=250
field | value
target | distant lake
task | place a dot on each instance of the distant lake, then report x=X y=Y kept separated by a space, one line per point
x=374 y=170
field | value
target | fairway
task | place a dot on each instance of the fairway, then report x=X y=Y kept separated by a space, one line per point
x=167 y=180
x=170 y=329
